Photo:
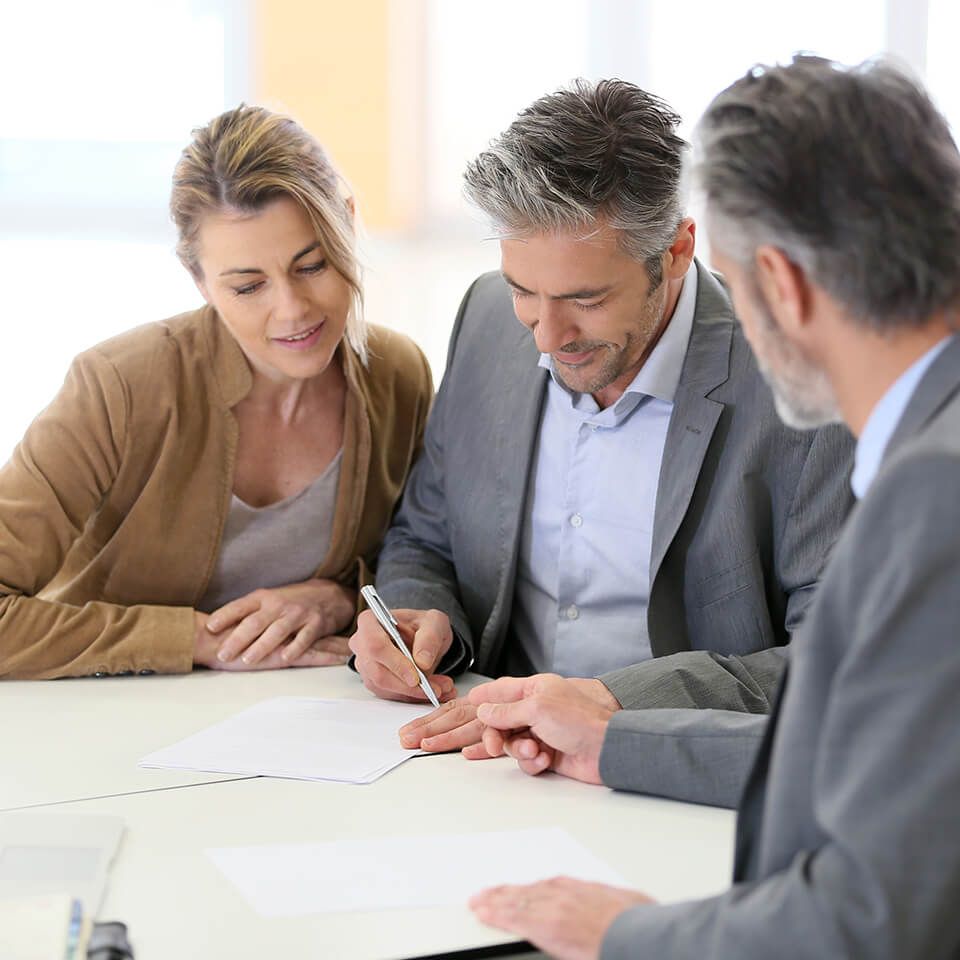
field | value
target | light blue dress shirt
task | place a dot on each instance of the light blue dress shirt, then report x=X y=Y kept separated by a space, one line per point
x=884 y=418
x=583 y=576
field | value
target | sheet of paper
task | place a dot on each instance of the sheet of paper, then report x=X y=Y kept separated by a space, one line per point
x=299 y=738
x=391 y=873
x=43 y=854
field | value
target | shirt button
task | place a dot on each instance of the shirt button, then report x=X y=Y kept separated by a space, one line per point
x=576 y=520
x=572 y=612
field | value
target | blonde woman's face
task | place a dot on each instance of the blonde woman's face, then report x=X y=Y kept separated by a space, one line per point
x=268 y=278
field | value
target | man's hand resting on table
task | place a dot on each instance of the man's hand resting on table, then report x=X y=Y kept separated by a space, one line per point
x=565 y=918
x=456 y=726
x=545 y=723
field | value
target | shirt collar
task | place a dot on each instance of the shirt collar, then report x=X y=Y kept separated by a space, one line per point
x=884 y=418
x=660 y=375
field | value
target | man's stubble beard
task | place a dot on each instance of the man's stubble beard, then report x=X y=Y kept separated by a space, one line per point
x=618 y=359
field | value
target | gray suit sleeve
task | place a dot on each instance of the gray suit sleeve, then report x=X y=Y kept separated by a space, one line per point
x=884 y=882
x=415 y=568
x=703 y=679
x=700 y=680
x=696 y=756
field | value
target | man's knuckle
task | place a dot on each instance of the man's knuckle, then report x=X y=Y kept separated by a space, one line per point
x=461 y=712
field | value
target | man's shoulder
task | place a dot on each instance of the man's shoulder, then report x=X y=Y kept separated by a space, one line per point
x=487 y=330
x=752 y=415
x=488 y=298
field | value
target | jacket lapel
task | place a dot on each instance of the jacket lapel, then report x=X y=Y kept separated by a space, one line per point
x=519 y=403
x=938 y=385
x=695 y=416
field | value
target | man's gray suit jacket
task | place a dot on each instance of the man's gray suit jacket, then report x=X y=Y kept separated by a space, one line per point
x=746 y=509
x=848 y=834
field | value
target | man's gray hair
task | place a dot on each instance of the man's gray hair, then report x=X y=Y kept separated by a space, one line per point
x=596 y=150
x=851 y=172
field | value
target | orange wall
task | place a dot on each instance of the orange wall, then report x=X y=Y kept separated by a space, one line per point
x=328 y=63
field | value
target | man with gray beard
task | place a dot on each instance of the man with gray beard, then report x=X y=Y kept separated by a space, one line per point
x=833 y=198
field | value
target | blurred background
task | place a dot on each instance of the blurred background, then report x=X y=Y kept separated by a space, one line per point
x=98 y=98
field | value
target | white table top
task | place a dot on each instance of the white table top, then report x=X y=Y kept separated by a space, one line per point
x=173 y=898
x=177 y=903
x=79 y=739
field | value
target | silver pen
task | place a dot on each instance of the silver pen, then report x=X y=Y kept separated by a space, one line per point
x=387 y=620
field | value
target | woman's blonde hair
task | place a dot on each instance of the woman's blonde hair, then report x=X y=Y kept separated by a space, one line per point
x=246 y=158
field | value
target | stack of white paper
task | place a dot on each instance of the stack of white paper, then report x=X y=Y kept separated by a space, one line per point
x=384 y=873
x=300 y=738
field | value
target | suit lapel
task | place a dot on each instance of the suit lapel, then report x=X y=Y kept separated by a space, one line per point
x=695 y=416
x=938 y=385
x=519 y=404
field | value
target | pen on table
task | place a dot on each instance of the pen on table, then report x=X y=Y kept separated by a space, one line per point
x=389 y=623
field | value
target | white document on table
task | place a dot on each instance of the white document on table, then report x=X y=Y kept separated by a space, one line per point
x=299 y=738
x=392 y=873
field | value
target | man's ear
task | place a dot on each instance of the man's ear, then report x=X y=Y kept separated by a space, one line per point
x=351 y=207
x=679 y=254
x=785 y=288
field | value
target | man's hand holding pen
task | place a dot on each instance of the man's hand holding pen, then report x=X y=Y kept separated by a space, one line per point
x=389 y=673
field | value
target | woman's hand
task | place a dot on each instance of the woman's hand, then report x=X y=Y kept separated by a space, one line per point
x=296 y=625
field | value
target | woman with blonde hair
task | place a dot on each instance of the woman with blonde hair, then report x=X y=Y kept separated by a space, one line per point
x=210 y=489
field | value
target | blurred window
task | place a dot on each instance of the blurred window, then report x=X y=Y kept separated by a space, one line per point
x=99 y=98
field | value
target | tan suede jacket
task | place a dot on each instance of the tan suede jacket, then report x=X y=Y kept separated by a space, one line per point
x=113 y=505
